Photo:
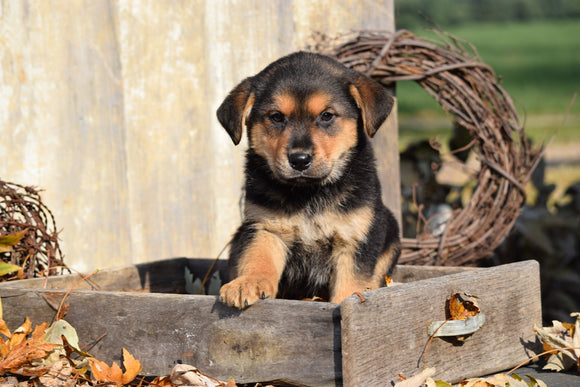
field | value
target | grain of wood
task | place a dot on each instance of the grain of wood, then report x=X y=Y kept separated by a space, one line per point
x=291 y=341
x=387 y=334
x=299 y=342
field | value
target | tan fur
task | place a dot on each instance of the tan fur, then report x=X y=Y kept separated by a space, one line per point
x=259 y=271
x=318 y=103
x=331 y=150
x=270 y=145
x=383 y=265
x=352 y=226
x=247 y=109
x=347 y=230
x=285 y=104
x=303 y=234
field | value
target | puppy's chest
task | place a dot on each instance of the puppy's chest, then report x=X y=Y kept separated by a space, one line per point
x=320 y=233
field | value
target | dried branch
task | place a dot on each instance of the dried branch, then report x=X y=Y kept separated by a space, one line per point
x=38 y=253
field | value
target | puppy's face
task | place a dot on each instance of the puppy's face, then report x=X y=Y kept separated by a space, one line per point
x=304 y=114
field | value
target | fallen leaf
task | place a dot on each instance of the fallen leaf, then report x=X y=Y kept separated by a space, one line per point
x=7 y=268
x=61 y=332
x=575 y=332
x=183 y=374
x=437 y=383
x=16 y=337
x=113 y=374
x=18 y=352
x=462 y=306
x=4 y=329
x=513 y=380
x=476 y=383
x=57 y=375
x=417 y=380
x=565 y=339
x=8 y=241
x=103 y=373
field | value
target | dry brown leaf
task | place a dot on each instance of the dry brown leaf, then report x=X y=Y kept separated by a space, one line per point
x=476 y=383
x=58 y=375
x=183 y=374
x=19 y=352
x=462 y=306
x=232 y=383
x=566 y=340
x=19 y=334
x=162 y=381
x=103 y=373
x=113 y=374
x=417 y=380
x=4 y=329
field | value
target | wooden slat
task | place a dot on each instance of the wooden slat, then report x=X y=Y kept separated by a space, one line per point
x=411 y=273
x=292 y=341
x=297 y=342
x=386 y=335
x=168 y=276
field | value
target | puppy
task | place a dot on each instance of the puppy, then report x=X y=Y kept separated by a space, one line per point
x=314 y=223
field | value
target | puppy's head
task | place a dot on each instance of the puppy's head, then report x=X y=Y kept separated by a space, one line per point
x=304 y=115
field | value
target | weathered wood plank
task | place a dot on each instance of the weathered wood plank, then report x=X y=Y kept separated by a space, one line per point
x=171 y=276
x=386 y=335
x=411 y=273
x=178 y=275
x=291 y=341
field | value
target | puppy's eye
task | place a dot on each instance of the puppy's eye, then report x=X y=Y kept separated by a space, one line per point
x=277 y=117
x=326 y=116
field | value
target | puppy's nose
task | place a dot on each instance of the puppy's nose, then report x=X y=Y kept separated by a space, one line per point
x=300 y=161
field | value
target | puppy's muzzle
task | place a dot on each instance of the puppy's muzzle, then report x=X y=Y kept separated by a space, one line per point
x=300 y=160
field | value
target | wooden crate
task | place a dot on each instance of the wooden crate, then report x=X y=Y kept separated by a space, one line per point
x=298 y=342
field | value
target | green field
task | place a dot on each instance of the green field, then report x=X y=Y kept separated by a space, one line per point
x=539 y=64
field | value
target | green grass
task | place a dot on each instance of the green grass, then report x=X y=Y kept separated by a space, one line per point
x=539 y=64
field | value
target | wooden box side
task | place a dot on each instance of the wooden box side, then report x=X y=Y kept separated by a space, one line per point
x=292 y=341
x=386 y=335
x=175 y=275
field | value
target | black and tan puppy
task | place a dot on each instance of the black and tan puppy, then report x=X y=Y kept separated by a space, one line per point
x=314 y=223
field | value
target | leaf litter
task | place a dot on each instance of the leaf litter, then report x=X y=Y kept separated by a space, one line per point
x=43 y=357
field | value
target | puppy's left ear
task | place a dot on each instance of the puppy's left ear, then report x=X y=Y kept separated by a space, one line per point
x=374 y=101
x=234 y=110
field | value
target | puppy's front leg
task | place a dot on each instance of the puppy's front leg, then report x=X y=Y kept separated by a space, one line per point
x=345 y=280
x=258 y=262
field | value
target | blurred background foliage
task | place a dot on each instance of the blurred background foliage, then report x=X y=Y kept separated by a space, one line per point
x=534 y=48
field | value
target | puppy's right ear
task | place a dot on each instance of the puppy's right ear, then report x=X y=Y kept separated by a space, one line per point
x=235 y=109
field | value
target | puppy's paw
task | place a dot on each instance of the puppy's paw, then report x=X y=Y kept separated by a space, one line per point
x=244 y=291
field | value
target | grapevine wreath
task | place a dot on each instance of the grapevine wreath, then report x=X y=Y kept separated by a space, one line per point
x=23 y=212
x=451 y=71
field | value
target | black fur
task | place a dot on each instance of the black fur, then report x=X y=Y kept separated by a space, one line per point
x=309 y=269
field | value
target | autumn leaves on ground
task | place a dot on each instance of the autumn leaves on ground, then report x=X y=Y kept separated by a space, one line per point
x=49 y=355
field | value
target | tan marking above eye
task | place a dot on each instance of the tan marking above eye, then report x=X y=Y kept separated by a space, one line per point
x=318 y=103
x=285 y=104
